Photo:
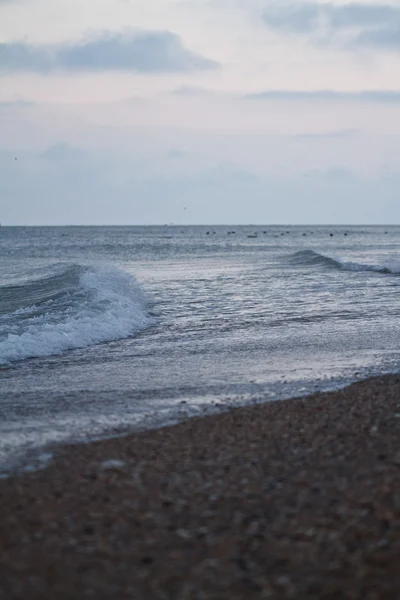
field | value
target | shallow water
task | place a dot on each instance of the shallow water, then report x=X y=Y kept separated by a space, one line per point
x=112 y=327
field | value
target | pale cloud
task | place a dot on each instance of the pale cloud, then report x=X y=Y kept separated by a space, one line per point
x=63 y=151
x=374 y=96
x=352 y=24
x=273 y=95
x=16 y=103
x=386 y=38
x=144 y=52
x=338 y=133
x=192 y=90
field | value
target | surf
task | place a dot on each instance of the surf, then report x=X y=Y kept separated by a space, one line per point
x=307 y=258
x=69 y=307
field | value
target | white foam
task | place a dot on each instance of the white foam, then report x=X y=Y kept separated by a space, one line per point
x=115 y=308
x=390 y=267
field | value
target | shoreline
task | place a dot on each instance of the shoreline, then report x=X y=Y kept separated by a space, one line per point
x=295 y=498
x=36 y=458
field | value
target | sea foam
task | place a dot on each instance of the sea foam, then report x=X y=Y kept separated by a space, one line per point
x=82 y=306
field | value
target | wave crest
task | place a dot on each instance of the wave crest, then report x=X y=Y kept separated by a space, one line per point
x=70 y=307
x=311 y=258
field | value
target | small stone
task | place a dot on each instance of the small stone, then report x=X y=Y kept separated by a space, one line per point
x=88 y=530
x=113 y=464
x=283 y=581
x=184 y=534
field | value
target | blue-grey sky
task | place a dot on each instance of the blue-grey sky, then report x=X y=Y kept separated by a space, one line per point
x=199 y=111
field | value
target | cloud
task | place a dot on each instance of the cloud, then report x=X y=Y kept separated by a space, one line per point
x=62 y=152
x=191 y=90
x=339 y=133
x=355 y=24
x=337 y=174
x=362 y=96
x=380 y=38
x=367 y=96
x=176 y=153
x=16 y=103
x=142 y=52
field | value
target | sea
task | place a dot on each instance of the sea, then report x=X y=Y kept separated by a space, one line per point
x=105 y=330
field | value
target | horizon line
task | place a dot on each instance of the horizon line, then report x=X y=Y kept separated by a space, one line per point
x=215 y=225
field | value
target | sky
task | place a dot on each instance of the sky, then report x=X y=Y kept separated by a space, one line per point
x=128 y=112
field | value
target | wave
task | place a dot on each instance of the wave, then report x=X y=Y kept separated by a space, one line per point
x=311 y=258
x=70 y=306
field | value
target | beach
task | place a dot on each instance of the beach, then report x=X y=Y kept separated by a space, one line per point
x=288 y=499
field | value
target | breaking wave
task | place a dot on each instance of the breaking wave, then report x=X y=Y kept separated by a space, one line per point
x=69 y=307
x=311 y=258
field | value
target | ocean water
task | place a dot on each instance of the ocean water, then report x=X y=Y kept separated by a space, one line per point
x=104 y=329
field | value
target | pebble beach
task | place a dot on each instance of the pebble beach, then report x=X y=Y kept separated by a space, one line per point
x=287 y=499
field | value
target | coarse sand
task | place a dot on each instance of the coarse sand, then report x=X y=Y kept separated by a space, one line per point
x=290 y=499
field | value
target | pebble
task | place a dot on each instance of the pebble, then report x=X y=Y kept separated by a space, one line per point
x=113 y=464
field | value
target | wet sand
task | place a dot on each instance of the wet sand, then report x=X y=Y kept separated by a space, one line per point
x=293 y=499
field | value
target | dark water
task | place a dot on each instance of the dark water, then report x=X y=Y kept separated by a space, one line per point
x=103 y=328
